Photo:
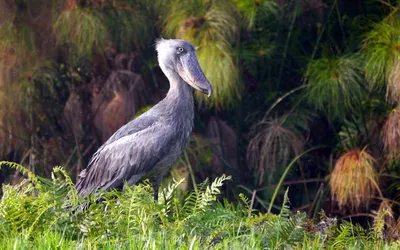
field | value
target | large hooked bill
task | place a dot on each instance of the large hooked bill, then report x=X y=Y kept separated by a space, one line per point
x=190 y=71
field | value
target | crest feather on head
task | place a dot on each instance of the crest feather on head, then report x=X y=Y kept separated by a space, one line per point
x=159 y=42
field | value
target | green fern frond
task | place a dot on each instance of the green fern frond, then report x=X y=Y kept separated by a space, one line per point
x=39 y=215
x=32 y=217
x=171 y=200
x=246 y=201
x=198 y=202
x=343 y=232
x=31 y=176
x=67 y=183
x=285 y=211
x=192 y=199
x=211 y=192
x=68 y=179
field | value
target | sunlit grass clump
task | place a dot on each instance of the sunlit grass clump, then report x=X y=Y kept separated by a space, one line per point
x=354 y=179
x=212 y=28
x=128 y=23
x=333 y=81
x=18 y=40
x=256 y=10
x=382 y=54
x=17 y=49
x=82 y=30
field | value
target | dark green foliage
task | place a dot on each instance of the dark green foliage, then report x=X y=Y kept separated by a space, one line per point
x=81 y=29
x=255 y=12
x=335 y=80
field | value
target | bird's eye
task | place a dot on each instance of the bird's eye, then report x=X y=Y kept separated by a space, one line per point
x=180 y=50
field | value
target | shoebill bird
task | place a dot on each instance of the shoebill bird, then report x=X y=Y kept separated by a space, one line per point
x=148 y=146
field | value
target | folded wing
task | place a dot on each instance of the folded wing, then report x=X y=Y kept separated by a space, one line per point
x=130 y=152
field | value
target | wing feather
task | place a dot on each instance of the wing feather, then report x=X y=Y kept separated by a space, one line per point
x=132 y=154
x=142 y=122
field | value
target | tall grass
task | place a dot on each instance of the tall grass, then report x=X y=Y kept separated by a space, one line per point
x=47 y=214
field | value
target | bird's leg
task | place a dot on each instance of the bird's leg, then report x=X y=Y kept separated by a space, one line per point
x=156 y=185
x=155 y=193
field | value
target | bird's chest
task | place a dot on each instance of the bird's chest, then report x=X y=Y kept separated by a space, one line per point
x=181 y=134
x=183 y=137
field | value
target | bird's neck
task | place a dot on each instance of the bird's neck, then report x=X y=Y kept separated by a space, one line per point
x=178 y=108
x=179 y=99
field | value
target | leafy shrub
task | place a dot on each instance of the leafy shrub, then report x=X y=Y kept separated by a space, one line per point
x=48 y=214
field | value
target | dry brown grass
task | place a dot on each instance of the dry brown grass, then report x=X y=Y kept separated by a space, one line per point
x=273 y=144
x=393 y=86
x=354 y=179
x=391 y=135
x=222 y=140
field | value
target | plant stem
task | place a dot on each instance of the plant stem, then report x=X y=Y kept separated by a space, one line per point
x=316 y=198
x=281 y=99
x=191 y=173
x=285 y=174
x=287 y=46
x=322 y=32
x=340 y=22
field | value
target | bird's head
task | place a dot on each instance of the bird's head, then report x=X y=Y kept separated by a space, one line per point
x=180 y=56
